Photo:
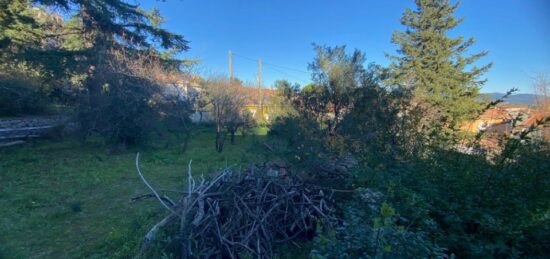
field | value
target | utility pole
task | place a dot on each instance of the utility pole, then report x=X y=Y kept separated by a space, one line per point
x=260 y=85
x=261 y=101
x=230 y=67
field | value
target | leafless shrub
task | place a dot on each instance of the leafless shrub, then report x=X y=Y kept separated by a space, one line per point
x=541 y=86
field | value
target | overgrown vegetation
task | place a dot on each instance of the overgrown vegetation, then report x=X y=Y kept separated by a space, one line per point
x=382 y=143
x=111 y=62
x=20 y=95
x=431 y=200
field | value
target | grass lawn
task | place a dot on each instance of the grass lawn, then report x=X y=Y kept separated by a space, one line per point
x=62 y=199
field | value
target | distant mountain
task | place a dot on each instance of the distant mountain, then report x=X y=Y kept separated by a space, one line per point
x=529 y=99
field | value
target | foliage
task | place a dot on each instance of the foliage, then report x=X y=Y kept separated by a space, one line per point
x=112 y=55
x=18 y=28
x=302 y=139
x=432 y=69
x=123 y=114
x=470 y=206
x=280 y=102
x=401 y=123
x=139 y=93
x=113 y=62
x=20 y=95
x=242 y=120
x=175 y=111
x=374 y=128
x=368 y=116
x=336 y=74
x=372 y=229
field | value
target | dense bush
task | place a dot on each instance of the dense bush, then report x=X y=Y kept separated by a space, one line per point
x=446 y=202
x=130 y=108
x=372 y=229
x=21 y=95
x=121 y=113
x=470 y=206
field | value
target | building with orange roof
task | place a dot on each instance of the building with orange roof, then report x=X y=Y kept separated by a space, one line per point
x=488 y=119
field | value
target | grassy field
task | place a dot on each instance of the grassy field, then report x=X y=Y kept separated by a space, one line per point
x=62 y=199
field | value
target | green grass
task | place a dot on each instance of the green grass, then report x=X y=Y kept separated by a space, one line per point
x=63 y=199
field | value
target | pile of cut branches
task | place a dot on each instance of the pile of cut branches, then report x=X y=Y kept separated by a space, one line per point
x=239 y=213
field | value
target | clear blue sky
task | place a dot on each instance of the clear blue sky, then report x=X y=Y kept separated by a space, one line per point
x=515 y=32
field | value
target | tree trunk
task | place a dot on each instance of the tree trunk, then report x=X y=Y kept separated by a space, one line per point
x=219 y=142
x=186 y=141
x=95 y=42
x=232 y=137
x=219 y=139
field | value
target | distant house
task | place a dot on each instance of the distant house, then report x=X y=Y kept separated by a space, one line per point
x=185 y=89
x=488 y=119
x=506 y=120
x=536 y=116
x=258 y=102
x=543 y=131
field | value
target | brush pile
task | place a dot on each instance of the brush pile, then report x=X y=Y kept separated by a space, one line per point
x=239 y=214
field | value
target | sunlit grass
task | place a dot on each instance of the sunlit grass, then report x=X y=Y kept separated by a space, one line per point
x=62 y=199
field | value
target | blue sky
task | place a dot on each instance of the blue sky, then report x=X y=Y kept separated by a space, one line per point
x=281 y=32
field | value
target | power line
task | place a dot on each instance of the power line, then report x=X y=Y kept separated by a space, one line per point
x=271 y=64
x=287 y=75
x=276 y=67
x=287 y=68
x=239 y=55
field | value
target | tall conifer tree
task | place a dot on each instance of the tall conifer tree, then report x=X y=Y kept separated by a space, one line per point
x=435 y=68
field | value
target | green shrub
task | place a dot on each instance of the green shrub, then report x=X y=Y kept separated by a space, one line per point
x=471 y=206
x=123 y=113
x=372 y=229
x=21 y=95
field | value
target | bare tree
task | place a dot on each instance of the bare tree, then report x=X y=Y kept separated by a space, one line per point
x=227 y=101
x=541 y=86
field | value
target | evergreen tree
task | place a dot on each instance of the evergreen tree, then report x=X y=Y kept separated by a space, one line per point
x=96 y=27
x=17 y=25
x=435 y=68
x=94 y=50
x=22 y=28
x=114 y=24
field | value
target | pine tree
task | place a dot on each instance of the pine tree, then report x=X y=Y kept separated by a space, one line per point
x=435 y=68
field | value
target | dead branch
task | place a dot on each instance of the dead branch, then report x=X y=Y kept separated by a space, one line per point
x=239 y=214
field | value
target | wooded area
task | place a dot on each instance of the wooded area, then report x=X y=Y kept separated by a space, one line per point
x=367 y=161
